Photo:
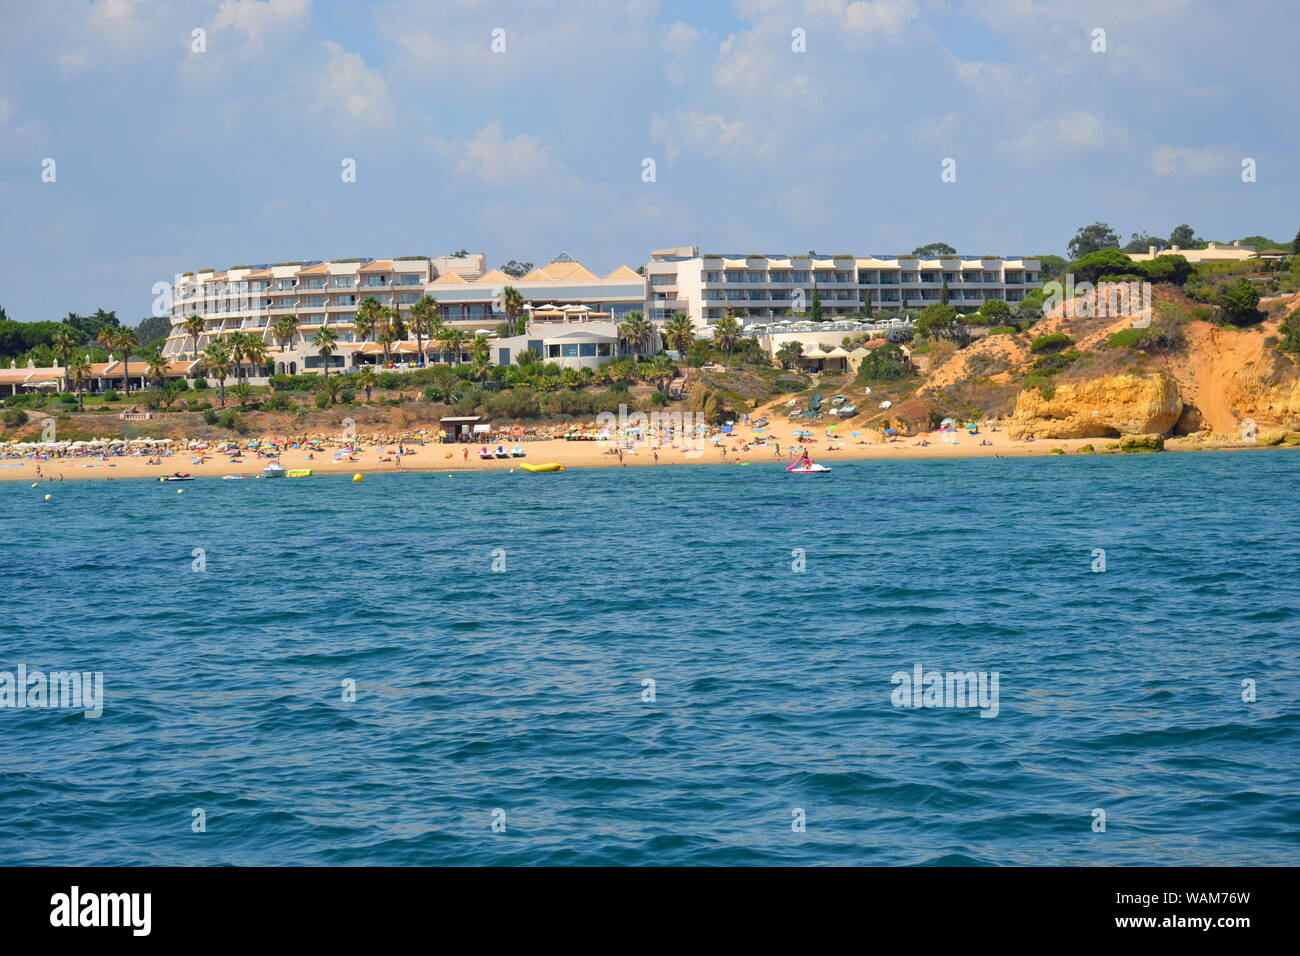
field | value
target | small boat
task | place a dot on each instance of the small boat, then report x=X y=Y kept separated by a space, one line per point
x=273 y=471
x=175 y=478
x=550 y=466
x=812 y=468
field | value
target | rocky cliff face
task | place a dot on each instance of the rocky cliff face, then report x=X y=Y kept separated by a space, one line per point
x=1101 y=407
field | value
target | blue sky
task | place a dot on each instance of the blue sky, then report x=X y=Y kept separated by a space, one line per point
x=170 y=160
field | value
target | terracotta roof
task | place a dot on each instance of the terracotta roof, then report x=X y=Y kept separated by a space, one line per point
x=379 y=265
x=623 y=272
x=317 y=270
x=495 y=275
x=450 y=278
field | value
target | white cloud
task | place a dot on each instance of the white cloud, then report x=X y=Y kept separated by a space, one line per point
x=1069 y=134
x=348 y=84
x=708 y=134
x=256 y=18
x=496 y=160
x=1192 y=161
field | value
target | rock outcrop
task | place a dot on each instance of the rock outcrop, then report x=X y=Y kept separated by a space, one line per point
x=1104 y=407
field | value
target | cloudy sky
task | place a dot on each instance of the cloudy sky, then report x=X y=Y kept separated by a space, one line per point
x=774 y=126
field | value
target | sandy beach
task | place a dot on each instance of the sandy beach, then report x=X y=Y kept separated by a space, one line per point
x=571 y=454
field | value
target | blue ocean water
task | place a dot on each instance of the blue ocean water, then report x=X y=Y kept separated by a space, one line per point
x=516 y=696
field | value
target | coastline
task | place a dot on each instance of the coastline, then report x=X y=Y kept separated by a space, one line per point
x=571 y=454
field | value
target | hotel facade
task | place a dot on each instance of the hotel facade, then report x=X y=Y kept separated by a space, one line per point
x=251 y=299
x=759 y=288
x=572 y=313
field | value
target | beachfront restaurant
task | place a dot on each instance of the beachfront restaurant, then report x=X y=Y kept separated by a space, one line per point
x=21 y=381
x=462 y=428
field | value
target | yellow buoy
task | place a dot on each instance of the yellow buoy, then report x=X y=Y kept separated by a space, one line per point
x=357 y=477
x=48 y=497
x=180 y=491
x=35 y=483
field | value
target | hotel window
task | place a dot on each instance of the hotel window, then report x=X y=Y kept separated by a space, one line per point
x=345 y=317
x=662 y=280
x=313 y=300
x=735 y=277
x=409 y=278
x=552 y=351
x=408 y=298
x=754 y=276
x=781 y=276
x=587 y=350
x=844 y=277
x=569 y=351
x=373 y=282
x=603 y=349
x=316 y=282
x=823 y=275
x=344 y=282
x=911 y=277
x=713 y=277
x=798 y=276
x=345 y=300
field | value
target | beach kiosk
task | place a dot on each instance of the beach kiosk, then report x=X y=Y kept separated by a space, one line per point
x=456 y=428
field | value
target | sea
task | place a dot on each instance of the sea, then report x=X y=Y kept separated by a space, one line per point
x=1061 y=660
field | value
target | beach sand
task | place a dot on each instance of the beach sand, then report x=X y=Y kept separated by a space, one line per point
x=571 y=454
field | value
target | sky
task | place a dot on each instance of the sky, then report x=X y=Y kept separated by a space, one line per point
x=133 y=149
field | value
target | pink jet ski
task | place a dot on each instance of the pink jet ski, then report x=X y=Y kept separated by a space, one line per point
x=806 y=466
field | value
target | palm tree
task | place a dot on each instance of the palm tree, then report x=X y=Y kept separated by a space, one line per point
x=390 y=329
x=367 y=379
x=480 y=354
x=285 y=328
x=423 y=316
x=368 y=314
x=119 y=339
x=326 y=343
x=637 y=329
x=237 y=342
x=446 y=385
x=217 y=362
x=256 y=352
x=244 y=392
x=193 y=326
x=157 y=369
x=513 y=301
x=64 y=341
x=680 y=332
x=79 y=372
x=726 y=333
x=661 y=371
x=452 y=340
x=331 y=387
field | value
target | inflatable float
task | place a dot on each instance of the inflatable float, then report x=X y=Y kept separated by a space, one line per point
x=298 y=473
x=550 y=466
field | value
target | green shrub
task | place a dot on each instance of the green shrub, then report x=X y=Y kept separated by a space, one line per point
x=1141 y=443
x=322 y=400
x=210 y=415
x=1053 y=342
x=200 y=384
x=112 y=396
x=1003 y=330
x=14 y=417
x=1086 y=450
x=348 y=396
x=1290 y=329
x=279 y=403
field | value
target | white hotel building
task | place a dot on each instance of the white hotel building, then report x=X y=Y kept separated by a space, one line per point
x=563 y=299
x=756 y=289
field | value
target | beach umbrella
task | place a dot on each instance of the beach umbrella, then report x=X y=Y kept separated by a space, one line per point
x=890 y=431
x=855 y=434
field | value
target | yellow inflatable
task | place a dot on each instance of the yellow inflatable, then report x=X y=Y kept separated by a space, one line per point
x=552 y=466
x=299 y=473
